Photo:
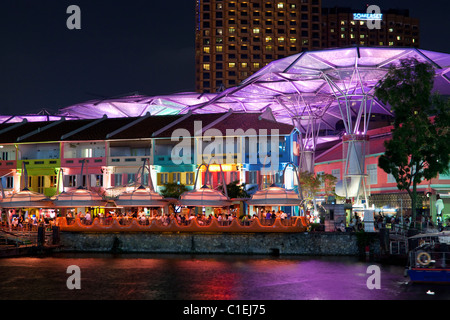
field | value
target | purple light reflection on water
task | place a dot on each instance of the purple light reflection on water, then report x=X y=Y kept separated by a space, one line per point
x=176 y=277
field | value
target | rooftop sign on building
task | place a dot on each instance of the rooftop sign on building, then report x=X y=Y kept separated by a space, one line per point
x=367 y=16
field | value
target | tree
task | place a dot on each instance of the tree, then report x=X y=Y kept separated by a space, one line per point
x=419 y=148
x=173 y=190
x=236 y=190
x=310 y=185
x=329 y=183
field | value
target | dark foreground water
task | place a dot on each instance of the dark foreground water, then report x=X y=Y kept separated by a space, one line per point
x=204 y=277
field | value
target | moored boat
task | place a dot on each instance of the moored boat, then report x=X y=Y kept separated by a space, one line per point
x=429 y=257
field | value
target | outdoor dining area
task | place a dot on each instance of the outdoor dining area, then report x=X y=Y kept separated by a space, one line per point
x=141 y=209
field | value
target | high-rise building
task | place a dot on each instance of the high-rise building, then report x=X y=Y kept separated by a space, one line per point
x=397 y=28
x=234 y=39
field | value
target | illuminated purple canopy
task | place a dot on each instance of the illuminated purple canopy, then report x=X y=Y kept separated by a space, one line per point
x=316 y=89
x=313 y=86
x=135 y=105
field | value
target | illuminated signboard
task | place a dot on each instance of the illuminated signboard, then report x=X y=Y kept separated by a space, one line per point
x=367 y=16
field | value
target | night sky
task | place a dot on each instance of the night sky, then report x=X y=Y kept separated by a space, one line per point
x=124 y=47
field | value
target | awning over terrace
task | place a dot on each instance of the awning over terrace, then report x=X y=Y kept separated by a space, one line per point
x=26 y=199
x=141 y=197
x=204 y=197
x=78 y=198
x=274 y=196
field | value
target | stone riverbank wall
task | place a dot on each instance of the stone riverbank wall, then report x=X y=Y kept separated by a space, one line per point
x=315 y=243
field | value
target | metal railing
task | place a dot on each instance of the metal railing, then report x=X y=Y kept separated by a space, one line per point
x=172 y=224
x=23 y=235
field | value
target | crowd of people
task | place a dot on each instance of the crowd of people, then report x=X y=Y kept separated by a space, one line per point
x=24 y=220
x=266 y=217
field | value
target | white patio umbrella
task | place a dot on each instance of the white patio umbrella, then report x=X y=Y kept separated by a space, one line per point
x=141 y=197
x=77 y=198
x=274 y=196
x=205 y=196
x=26 y=199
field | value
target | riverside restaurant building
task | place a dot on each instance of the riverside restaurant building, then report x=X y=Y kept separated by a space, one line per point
x=307 y=109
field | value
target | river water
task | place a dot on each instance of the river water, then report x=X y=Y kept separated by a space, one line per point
x=205 y=277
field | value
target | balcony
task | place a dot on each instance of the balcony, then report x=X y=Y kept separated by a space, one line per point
x=127 y=160
x=39 y=163
x=8 y=164
x=169 y=160
x=77 y=162
x=222 y=157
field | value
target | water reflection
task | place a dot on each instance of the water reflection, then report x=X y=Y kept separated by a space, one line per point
x=170 y=277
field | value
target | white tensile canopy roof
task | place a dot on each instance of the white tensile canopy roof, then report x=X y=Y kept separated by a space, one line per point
x=314 y=87
x=141 y=197
x=26 y=199
x=274 y=196
x=77 y=198
x=204 y=197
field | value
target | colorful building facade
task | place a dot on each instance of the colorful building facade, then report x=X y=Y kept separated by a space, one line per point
x=382 y=187
x=107 y=155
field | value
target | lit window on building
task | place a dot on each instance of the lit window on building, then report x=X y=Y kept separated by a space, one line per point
x=72 y=181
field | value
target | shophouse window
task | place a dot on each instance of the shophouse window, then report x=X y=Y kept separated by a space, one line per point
x=391 y=178
x=372 y=173
x=163 y=178
x=98 y=180
x=52 y=181
x=253 y=177
x=117 y=179
x=233 y=176
x=336 y=173
x=72 y=181
x=176 y=177
x=130 y=177
x=9 y=182
x=189 y=178
x=318 y=174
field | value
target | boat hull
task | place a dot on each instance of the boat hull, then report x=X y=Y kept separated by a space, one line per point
x=429 y=275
